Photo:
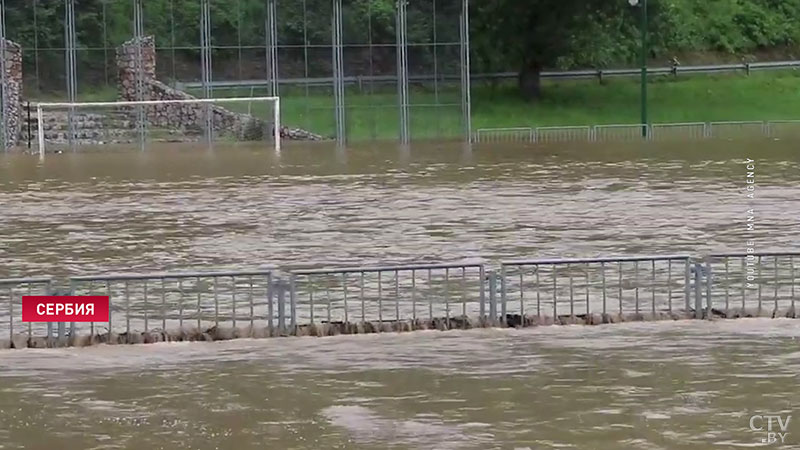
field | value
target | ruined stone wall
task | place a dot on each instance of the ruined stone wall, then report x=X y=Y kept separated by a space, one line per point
x=12 y=106
x=188 y=116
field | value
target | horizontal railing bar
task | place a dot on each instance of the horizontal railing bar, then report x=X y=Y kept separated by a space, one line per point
x=626 y=125
x=492 y=130
x=567 y=127
x=157 y=102
x=532 y=262
x=678 y=124
x=739 y=122
x=168 y=275
x=25 y=280
x=330 y=271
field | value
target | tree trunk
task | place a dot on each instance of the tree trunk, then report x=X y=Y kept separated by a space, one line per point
x=530 y=81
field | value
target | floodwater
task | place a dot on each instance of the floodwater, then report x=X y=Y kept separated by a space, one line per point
x=668 y=385
x=658 y=385
x=90 y=213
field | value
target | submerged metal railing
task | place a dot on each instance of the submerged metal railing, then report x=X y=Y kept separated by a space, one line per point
x=765 y=283
x=158 y=301
x=582 y=286
x=266 y=302
x=634 y=132
x=394 y=293
x=11 y=292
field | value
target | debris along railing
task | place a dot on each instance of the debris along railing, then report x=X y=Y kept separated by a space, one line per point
x=754 y=284
x=179 y=306
x=596 y=290
x=373 y=299
x=633 y=132
x=11 y=326
x=320 y=302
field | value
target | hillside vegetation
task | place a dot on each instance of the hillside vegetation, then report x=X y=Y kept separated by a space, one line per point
x=520 y=35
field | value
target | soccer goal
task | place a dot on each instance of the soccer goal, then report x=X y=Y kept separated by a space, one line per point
x=126 y=123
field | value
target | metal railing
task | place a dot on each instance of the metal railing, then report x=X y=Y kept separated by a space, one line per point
x=737 y=129
x=598 y=74
x=617 y=133
x=437 y=293
x=755 y=283
x=784 y=128
x=263 y=302
x=585 y=286
x=686 y=130
x=633 y=132
x=169 y=300
x=563 y=134
x=11 y=292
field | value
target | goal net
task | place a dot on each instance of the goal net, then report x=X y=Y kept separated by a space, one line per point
x=134 y=124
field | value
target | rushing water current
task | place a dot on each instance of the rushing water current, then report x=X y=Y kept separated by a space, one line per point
x=179 y=210
x=669 y=385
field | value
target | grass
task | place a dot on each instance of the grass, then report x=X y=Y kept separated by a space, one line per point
x=374 y=115
x=761 y=96
x=699 y=98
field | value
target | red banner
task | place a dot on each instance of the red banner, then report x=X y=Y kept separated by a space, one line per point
x=55 y=308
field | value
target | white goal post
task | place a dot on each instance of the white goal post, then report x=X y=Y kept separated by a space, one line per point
x=275 y=100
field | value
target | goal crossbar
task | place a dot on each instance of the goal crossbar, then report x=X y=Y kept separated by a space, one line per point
x=276 y=112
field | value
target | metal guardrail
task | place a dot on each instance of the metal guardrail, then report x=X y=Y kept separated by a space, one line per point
x=616 y=133
x=784 y=128
x=570 y=287
x=171 y=299
x=259 y=303
x=686 y=130
x=599 y=74
x=433 y=292
x=633 y=132
x=11 y=292
x=750 y=281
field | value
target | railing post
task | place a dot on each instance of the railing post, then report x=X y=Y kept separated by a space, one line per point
x=698 y=291
x=482 y=295
x=270 y=308
x=709 y=280
x=503 y=317
x=492 y=297
x=281 y=305
x=293 y=303
x=687 y=286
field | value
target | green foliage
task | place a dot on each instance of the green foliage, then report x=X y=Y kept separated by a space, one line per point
x=506 y=34
x=731 y=26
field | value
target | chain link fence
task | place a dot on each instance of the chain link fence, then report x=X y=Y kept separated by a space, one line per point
x=347 y=70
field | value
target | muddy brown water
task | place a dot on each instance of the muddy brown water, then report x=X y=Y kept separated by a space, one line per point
x=668 y=385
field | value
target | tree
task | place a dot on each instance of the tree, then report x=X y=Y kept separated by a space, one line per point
x=536 y=34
